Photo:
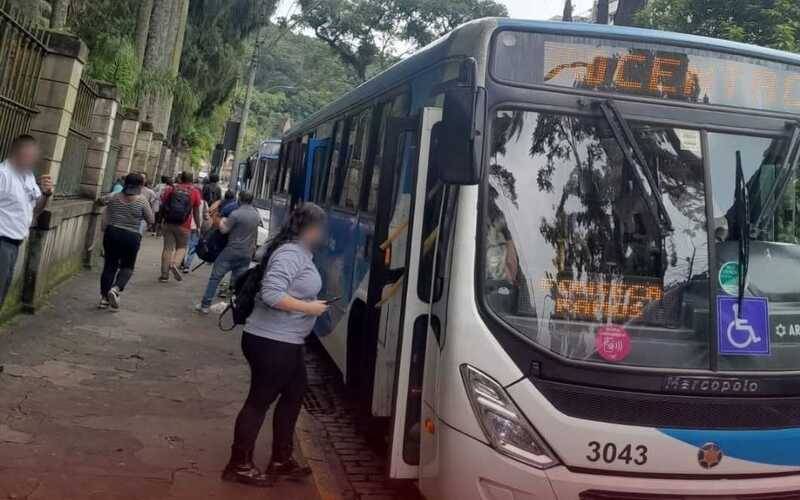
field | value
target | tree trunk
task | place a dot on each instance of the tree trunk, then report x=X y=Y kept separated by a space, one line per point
x=602 y=12
x=626 y=12
x=181 y=17
x=181 y=36
x=58 y=16
x=143 y=28
x=157 y=61
x=567 y=16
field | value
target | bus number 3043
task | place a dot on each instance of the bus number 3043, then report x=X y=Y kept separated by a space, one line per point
x=610 y=453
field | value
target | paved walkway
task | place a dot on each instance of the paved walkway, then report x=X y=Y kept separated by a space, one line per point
x=135 y=404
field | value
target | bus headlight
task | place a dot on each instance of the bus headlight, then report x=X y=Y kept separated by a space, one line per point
x=504 y=425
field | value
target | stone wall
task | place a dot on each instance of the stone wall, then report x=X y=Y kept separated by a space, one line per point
x=67 y=238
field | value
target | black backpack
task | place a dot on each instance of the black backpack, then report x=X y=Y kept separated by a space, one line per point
x=211 y=245
x=245 y=294
x=178 y=207
x=243 y=299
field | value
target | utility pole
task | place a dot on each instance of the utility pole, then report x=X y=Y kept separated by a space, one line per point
x=248 y=95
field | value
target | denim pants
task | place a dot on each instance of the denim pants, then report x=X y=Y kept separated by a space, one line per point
x=8 y=261
x=191 y=250
x=236 y=264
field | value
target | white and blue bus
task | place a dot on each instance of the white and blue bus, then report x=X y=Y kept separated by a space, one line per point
x=569 y=261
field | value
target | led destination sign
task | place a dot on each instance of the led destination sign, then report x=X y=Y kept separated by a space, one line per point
x=648 y=70
x=596 y=301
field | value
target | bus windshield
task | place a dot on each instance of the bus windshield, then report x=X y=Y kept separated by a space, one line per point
x=576 y=259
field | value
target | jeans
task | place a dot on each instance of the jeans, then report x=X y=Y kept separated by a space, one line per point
x=176 y=237
x=225 y=263
x=9 y=251
x=121 y=248
x=191 y=249
x=276 y=369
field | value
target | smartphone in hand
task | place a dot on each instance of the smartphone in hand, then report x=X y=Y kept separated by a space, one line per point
x=332 y=301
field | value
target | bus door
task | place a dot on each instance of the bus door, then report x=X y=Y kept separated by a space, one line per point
x=402 y=313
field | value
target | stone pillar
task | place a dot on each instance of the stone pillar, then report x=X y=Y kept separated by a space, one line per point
x=101 y=129
x=55 y=98
x=174 y=162
x=142 y=151
x=128 y=132
x=154 y=155
x=166 y=160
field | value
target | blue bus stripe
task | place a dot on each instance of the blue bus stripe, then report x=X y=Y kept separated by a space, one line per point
x=773 y=447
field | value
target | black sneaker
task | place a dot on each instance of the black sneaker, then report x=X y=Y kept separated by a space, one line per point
x=163 y=279
x=288 y=468
x=246 y=474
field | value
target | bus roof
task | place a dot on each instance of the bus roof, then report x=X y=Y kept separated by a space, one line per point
x=472 y=40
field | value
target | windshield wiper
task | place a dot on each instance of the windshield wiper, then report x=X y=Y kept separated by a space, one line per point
x=780 y=184
x=635 y=157
x=742 y=211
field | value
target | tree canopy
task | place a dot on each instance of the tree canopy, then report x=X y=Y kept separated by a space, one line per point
x=367 y=34
x=771 y=23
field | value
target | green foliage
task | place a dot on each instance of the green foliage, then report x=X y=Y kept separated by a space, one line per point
x=214 y=58
x=771 y=23
x=112 y=56
x=365 y=34
x=298 y=75
x=114 y=61
x=426 y=20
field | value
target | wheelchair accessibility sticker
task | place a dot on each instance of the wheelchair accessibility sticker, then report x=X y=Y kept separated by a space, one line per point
x=745 y=334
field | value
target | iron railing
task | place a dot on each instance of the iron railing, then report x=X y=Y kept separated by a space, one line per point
x=78 y=141
x=22 y=51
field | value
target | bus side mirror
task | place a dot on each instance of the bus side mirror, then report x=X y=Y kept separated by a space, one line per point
x=456 y=143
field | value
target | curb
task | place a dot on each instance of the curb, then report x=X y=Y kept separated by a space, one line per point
x=327 y=471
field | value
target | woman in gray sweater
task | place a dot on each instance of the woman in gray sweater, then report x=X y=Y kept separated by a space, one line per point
x=273 y=342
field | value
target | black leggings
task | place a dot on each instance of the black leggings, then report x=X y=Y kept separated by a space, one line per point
x=276 y=369
x=121 y=248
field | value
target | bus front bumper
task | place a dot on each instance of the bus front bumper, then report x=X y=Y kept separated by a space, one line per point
x=467 y=469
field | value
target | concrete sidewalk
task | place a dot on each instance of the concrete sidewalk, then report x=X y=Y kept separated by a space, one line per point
x=135 y=404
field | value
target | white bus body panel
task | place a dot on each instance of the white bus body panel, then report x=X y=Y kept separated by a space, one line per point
x=459 y=463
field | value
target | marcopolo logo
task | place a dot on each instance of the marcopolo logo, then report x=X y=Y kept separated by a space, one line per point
x=711 y=385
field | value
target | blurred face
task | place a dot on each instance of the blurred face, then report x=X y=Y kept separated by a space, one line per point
x=26 y=157
x=315 y=235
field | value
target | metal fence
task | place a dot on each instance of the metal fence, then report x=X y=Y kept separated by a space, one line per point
x=22 y=50
x=78 y=141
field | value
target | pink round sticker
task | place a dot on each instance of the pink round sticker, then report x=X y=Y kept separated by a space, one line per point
x=612 y=343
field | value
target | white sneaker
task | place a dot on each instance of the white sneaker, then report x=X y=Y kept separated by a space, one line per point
x=201 y=309
x=103 y=304
x=113 y=297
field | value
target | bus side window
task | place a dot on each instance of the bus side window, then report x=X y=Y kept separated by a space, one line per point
x=437 y=227
x=358 y=154
x=336 y=161
x=396 y=107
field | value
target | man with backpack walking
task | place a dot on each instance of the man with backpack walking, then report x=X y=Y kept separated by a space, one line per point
x=179 y=204
x=241 y=227
x=212 y=193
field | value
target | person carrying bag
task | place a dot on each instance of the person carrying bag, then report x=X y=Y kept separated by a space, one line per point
x=283 y=314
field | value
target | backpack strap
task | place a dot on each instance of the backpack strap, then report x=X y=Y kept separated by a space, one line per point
x=228 y=308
